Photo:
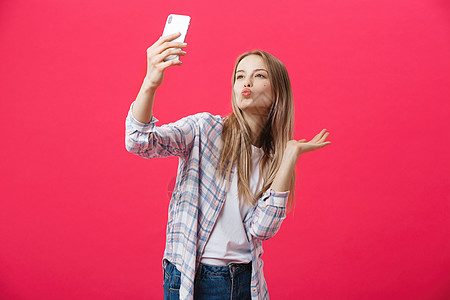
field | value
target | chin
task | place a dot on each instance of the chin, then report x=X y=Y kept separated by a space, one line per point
x=243 y=107
x=245 y=102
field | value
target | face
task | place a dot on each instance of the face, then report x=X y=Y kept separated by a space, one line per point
x=252 y=87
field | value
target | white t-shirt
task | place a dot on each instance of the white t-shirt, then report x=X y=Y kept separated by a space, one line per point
x=228 y=242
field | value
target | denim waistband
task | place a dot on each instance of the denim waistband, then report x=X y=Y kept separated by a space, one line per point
x=232 y=268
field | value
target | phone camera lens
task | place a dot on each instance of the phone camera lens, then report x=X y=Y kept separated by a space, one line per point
x=170 y=20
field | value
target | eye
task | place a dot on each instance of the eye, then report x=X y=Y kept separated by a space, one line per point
x=260 y=75
x=239 y=76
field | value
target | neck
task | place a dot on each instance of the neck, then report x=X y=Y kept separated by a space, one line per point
x=256 y=124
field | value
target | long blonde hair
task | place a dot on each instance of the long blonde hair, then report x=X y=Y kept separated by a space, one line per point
x=278 y=130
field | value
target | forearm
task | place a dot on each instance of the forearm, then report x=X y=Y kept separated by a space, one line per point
x=282 y=180
x=269 y=213
x=270 y=210
x=143 y=105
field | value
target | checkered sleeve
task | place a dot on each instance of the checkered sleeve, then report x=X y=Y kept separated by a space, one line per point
x=268 y=214
x=150 y=141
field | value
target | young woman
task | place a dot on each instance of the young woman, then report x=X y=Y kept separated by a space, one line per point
x=235 y=180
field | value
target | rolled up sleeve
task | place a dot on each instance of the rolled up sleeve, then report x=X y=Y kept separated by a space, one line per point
x=149 y=141
x=269 y=213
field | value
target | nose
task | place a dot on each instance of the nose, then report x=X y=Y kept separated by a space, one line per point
x=247 y=82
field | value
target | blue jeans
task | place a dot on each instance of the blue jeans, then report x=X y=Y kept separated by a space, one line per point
x=212 y=283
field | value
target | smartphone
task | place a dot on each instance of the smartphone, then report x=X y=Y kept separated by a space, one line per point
x=176 y=23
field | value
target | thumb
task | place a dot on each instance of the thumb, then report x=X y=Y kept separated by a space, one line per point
x=302 y=140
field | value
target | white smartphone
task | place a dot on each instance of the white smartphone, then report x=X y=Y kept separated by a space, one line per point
x=176 y=23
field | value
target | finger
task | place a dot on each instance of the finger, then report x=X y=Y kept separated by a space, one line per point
x=168 y=45
x=164 y=65
x=322 y=133
x=166 y=38
x=161 y=48
x=319 y=146
x=162 y=40
x=160 y=57
x=318 y=136
x=324 y=137
x=171 y=51
x=154 y=49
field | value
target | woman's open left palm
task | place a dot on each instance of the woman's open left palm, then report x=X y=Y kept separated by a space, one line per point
x=302 y=146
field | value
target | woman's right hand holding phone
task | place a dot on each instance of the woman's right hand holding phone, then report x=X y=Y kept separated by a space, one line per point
x=143 y=105
x=156 y=55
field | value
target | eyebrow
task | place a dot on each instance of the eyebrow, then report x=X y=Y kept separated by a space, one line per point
x=253 y=70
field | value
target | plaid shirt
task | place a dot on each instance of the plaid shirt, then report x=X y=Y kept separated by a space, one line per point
x=198 y=195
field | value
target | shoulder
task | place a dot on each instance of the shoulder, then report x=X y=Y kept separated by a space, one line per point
x=209 y=117
x=206 y=119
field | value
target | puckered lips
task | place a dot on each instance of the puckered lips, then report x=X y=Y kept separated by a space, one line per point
x=246 y=92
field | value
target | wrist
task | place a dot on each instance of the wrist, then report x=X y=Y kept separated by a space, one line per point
x=149 y=86
x=289 y=162
x=284 y=174
x=292 y=153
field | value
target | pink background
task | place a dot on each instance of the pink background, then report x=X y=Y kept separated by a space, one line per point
x=81 y=218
